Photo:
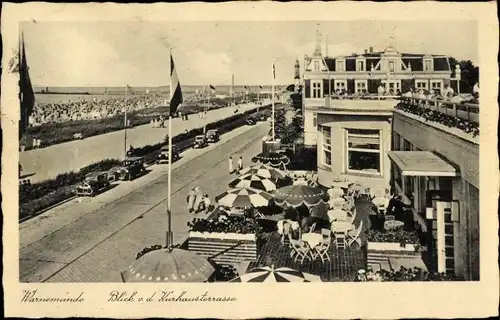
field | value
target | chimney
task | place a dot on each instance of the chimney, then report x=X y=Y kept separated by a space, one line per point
x=371 y=49
x=366 y=51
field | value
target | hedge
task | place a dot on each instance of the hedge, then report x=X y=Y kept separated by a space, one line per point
x=41 y=195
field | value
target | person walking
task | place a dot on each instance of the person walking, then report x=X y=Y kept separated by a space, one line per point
x=181 y=115
x=240 y=164
x=208 y=204
x=198 y=199
x=190 y=200
x=231 y=168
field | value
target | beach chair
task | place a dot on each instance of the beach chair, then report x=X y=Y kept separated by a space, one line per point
x=354 y=235
x=353 y=217
x=326 y=233
x=300 y=251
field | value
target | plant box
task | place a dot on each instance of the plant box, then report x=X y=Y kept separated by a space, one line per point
x=392 y=249
x=230 y=248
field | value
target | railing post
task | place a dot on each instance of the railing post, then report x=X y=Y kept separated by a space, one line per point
x=467 y=109
x=455 y=110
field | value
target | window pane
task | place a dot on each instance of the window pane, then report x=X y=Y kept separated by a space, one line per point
x=364 y=161
x=362 y=131
x=327 y=157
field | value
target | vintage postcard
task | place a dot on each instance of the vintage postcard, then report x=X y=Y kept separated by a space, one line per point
x=188 y=160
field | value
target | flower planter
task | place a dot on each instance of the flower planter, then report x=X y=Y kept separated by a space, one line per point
x=393 y=249
x=229 y=248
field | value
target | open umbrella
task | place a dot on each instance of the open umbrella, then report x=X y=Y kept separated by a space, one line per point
x=264 y=171
x=269 y=274
x=243 y=198
x=274 y=159
x=169 y=265
x=297 y=195
x=253 y=181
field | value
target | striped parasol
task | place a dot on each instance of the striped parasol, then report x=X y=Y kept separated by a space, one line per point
x=244 y=198
x=169 y=265
x=264 y=171
x=274 y=159
x=297 y=195
x=270 y=274
x=253 y=181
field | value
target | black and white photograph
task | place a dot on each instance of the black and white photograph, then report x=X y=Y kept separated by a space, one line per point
x=211 y=152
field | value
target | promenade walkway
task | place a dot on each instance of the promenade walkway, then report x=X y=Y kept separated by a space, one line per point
x=48 y=162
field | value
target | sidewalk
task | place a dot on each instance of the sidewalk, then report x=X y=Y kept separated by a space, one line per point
x=48 y=162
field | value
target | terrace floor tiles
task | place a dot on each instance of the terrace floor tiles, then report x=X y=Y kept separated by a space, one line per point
x=343 y=266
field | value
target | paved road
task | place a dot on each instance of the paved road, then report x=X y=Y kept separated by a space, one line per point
x=99 y=244
x=48 y=162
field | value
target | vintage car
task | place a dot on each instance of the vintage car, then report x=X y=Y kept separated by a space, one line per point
x=251 y=121
x=212 y=136
x=131 y=168
x=94 y=183
x=164 y=152
x=200 y=141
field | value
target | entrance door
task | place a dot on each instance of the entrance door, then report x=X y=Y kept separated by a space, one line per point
x=442 y=212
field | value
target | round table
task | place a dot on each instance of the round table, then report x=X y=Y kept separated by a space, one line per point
x=393 y=224
x=312 y=239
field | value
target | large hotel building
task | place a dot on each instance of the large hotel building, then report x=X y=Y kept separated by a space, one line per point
x=379 y=143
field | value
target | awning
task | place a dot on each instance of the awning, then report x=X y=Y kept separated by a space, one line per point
x=422 y=163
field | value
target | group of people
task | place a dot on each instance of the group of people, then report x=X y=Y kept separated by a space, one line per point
x=158 y=123
x=446 y=94
x=197 y=201
x=90 y=109
x=239 y=165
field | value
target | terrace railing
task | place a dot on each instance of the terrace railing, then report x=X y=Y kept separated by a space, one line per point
x=466 y=111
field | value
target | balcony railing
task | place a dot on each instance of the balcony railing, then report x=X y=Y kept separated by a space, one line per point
x=466 y=111
x=463 y=116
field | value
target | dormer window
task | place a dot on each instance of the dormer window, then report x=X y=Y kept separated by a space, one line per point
x=361 y=65
x=428 y=64
x=391 y=66
x=340 y=64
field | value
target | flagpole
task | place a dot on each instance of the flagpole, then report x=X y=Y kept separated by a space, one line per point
x=125 y=120
x=169 y=178
x=273 y=100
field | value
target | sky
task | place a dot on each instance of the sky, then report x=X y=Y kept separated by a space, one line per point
x=75 y=54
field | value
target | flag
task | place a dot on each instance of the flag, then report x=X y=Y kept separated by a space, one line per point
x=212 y=87
x=26 y=94
x=260 y=87
x=175 y=88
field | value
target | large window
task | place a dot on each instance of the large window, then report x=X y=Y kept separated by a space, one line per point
x=363 y=151
x=327 y=146
x=361 y=86
x=316 y=89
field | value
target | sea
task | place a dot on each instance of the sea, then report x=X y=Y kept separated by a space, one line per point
x=68 y=94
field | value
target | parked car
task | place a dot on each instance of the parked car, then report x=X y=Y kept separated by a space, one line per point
x=251 y=121
x=94 y=183
x=212 y=136
x=200 y=141
x=131 y=168
x=163 y=156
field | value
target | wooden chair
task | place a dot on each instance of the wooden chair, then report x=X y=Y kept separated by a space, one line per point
x=354 y=235
x=323 y=249
x=300 y=251
x=326 y=233
x=340 y=241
